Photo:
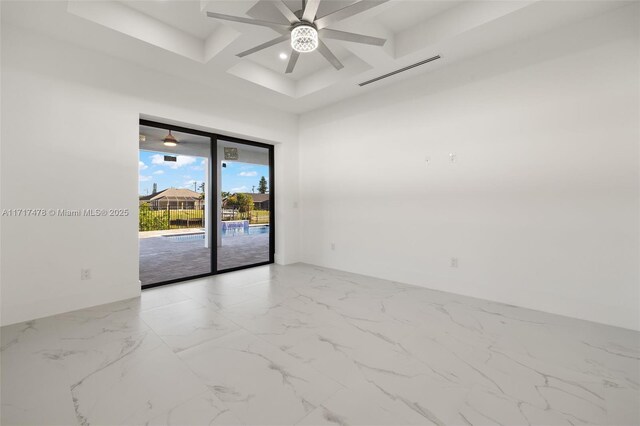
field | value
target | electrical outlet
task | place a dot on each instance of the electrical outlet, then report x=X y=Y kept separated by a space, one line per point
x=85 y=274
x=454 y=262
x=333 y=246
x=453 y=157
x=427 y=160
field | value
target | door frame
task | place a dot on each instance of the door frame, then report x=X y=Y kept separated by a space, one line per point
x=213 y=177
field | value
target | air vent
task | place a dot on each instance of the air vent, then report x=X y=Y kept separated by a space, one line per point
x=407 y=68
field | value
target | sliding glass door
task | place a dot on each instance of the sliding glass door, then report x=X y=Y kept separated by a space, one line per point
x=174 y=224
x=245 y=204
x=205 y=204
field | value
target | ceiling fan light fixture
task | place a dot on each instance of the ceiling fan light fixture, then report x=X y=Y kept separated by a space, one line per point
x=304 y=38
x=303 y=26
x=169 y=140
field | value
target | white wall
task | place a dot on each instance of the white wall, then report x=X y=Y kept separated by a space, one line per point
x=542 y=205
x=70 y=140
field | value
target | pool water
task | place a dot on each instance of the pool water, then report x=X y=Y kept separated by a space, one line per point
x=232 y=232
x=185 y=237
x=253 y=230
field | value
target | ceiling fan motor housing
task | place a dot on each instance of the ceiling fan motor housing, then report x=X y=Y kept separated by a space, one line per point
x=304 y=37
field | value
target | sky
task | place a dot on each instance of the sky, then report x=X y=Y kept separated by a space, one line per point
x=187 y=170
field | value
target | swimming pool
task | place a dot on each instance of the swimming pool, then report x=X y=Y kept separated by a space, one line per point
x=253 y=230
x=185 y=237
x=228 y=232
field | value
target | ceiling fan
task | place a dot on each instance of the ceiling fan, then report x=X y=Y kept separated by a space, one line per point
x=306 y=31
x=152 y=138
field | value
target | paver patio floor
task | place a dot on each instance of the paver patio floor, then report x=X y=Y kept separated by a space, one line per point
x=167 y=258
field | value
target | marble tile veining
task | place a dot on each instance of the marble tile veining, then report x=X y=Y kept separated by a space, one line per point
x=298 y=344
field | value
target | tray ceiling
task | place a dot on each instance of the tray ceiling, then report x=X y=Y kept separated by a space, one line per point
x=177 y=37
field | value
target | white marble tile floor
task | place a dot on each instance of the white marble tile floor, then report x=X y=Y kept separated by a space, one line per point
x=303 y=345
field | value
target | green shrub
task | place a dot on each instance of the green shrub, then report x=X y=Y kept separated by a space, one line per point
x=152 y=220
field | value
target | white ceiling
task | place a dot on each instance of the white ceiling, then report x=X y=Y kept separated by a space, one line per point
x=185 y=15
x=176 y=37
x=415 y=12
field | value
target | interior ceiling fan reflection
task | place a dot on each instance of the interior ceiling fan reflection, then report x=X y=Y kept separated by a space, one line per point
x=306 y=31
x=169 y=140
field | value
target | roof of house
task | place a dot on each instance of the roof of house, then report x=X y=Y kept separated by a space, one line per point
x=257 y=198
x=173 y=194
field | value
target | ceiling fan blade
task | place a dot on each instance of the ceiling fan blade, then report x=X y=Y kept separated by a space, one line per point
x=329 y=56
x=355 y=38
x=293 y=59
x=259 y=22
x=258 y=48
x=286 y=12
x=347 y=12
x=310 y=9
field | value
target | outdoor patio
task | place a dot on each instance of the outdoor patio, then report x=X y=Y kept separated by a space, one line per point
x=168 y=257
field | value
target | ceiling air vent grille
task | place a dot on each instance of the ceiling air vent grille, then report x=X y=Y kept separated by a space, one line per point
x=417 y=64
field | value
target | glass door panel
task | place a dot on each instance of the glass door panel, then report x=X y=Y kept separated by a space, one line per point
x=244 y=205
x=174 y=220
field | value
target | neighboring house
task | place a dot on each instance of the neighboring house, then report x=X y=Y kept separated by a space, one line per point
x=260 y=201
x=145 y=198
x=174 y=198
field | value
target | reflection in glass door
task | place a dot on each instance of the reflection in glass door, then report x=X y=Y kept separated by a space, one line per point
x=245 y=204
x=174 y=221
